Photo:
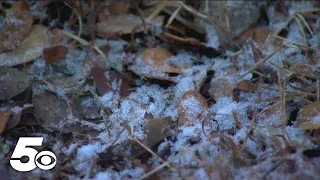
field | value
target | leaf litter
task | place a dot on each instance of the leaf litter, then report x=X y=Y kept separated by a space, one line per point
x=118 y=94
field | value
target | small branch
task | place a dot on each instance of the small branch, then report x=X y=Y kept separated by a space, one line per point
x=260 y=62
x=86 y=43
x=155 y=155
x=154 y=170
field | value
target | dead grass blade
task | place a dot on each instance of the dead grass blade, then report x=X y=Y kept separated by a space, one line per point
x=256 y=65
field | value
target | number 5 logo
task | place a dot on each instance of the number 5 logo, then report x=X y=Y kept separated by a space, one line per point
x=44 y=160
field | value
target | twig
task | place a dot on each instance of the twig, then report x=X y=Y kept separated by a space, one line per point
x=248 y=133
x=305 y=23
x=157 y=10
x=282 y=99
x=84 y=42
x=294 y=43
x=256 y=65
x=79 y=18
x=300 y=27
x=174 y=14
x=210 y=20
x=318 y=89
x=154 y=154
x=154 y=170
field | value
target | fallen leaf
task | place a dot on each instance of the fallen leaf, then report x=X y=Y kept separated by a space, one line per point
x=245 y=86
x=191 y=108
x=309 y=116
x=4 y=117
x=54 y=54
x=58 y=36
x=53 y=113
x=111 y=8
x=12 y=82
x=159 y=58
x=30 y=49
x=16 y=26
x=89 y=108
x=221 y=87
x=126 y=86
x=103 y=79
x=16 y=116
x=157 y=129
x=122 y=24
x=142 y=69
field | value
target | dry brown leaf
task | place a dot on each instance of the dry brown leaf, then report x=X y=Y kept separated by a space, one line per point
x=58 y=36
x=111 y=8
x=221 y=87
x=4 y=117
x=122 y=24
x=157 y=130
x=30 y=49
x=192 y=107
x=259 y=35
x=16 y=117
x=103 y=79
x=16 y=26
x=245 y=86
x=54 y=54
x=158 y=58
x=12 y=82
x=309 y=116
x=53 y=112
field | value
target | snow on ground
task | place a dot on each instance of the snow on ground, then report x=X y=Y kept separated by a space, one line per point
x=195 y=148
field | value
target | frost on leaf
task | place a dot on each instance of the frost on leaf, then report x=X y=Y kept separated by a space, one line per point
x=123 y=24
x=141 y=68
x=30 y=49
x=16 y=27
x=158 y=58
x=192 y=108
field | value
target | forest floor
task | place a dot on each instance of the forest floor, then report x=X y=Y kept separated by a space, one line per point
x=160 y=89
